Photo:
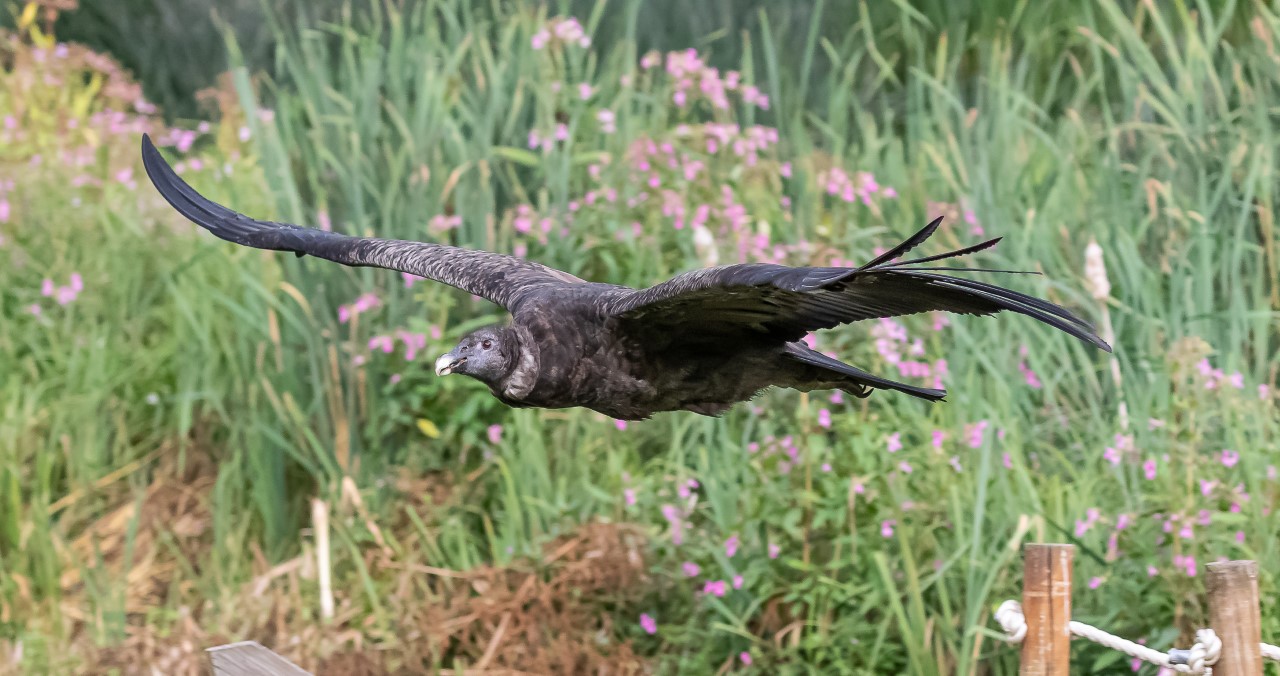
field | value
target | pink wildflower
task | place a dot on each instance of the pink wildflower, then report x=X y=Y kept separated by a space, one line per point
x=648 y=624
x=731 y=546
x=1149 y=469
x=975 y=432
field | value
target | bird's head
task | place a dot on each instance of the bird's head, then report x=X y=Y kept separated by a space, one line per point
x=488 y=355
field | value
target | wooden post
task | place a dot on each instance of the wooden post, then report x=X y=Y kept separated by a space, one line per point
x=1235 y=617
x=1046 y=603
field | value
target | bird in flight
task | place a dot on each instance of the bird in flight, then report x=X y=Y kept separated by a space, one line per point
x=701 y=341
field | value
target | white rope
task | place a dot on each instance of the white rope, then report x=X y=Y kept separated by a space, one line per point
x=1197 y=660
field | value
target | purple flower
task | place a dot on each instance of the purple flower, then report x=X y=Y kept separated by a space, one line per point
x=774 y=550
x=620 y=424
x=886 y=527
x=905 y=467
x=745 y=657
x=1006 y=460
x=824 y=418
x=1229 y=458
x=672 y=515
x=1149 y=469
x=495 y=434
x=731 y=546
x=737 y=582
x=629 y=495
x=1095 y=582
x=894 y=442
x=648 y=624
x=975 y=432
x=690 y=568
x=715 y=588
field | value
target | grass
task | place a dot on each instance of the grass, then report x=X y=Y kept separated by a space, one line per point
x=175 y=419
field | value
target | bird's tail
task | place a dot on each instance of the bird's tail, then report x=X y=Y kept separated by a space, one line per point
x=860 y=383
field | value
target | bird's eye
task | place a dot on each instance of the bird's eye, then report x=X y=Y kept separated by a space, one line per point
x=487 y=344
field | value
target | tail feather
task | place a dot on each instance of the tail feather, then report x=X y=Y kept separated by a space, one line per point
x=857 y=377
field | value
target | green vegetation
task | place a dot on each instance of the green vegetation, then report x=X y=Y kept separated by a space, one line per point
x=170 y=405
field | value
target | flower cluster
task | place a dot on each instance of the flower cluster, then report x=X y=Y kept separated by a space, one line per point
x=560 y=30
x=694 y=80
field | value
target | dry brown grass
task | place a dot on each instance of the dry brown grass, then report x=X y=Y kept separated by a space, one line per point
x=545 y=616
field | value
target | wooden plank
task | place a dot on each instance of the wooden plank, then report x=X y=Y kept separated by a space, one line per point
x=1046 y=603
x=250 y=658
x=1234 y=615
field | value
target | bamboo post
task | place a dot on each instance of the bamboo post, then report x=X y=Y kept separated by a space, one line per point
x=1046 y=603
x=1235 y=617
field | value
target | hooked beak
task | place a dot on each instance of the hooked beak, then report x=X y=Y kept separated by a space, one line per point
x=446 y=363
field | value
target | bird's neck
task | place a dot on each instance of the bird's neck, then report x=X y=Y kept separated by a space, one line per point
x=522 y=365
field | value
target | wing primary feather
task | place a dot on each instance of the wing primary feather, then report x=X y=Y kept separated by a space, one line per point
x=1032 y=301
x=1053 y=316
x=907 y=245
x=503 y=279
x=950 y=254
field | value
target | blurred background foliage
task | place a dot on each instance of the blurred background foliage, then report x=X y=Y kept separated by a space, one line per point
x=175 y=410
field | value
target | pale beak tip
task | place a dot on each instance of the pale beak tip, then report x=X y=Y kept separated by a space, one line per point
x=444 y=365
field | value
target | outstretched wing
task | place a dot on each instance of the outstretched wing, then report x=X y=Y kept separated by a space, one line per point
x=505 y=280
x=788 y=302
